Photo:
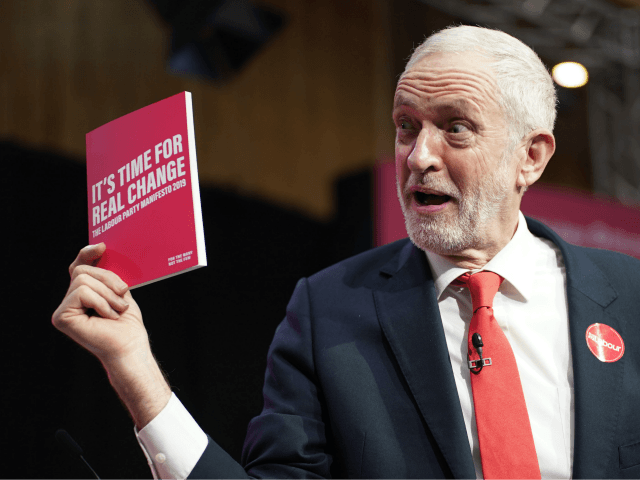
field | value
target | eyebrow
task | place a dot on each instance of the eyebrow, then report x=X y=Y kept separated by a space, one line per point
x=401 y=101
x=460 y=105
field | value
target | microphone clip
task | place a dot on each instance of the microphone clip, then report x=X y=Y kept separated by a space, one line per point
x=476 y=365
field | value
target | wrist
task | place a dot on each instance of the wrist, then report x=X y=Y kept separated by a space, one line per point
x=140 y=384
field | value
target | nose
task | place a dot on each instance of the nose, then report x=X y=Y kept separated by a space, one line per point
x=424 y=155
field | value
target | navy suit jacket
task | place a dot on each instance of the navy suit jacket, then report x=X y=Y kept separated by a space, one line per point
x=359 y=383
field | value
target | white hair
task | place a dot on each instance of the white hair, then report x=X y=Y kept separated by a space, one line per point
x=526 y=91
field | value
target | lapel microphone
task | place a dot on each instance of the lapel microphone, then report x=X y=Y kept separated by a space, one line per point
x=476 y=341
x=72 y=447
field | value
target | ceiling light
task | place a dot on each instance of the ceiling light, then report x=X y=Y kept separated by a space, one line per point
x=570 y=74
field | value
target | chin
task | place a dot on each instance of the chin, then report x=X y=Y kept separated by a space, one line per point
x=441 y=240
x=444 y=235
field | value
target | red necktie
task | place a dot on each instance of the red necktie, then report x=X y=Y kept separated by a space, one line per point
x=504 y=431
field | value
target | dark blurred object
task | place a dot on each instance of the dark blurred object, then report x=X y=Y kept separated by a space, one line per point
x=215 y=38
x=352 y=228
x=72 y=447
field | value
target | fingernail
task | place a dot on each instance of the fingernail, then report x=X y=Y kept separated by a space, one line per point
x=122 y=285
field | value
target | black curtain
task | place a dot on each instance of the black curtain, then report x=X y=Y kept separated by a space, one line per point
x=209 y=328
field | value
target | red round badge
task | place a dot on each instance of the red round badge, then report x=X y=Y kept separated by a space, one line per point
x=604 y=342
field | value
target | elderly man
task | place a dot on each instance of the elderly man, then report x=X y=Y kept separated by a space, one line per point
x=465 y=352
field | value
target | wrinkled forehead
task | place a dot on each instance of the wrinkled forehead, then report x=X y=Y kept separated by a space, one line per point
x=465 y=75
x=476 y=59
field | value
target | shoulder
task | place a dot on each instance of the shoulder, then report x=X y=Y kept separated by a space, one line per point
x=342 y=292
x=614 y=265
x=366 y=268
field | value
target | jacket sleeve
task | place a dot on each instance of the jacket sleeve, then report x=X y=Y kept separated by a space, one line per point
x=287 y=439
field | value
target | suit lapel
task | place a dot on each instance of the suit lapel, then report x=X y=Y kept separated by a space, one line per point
x=597 y=385
x=410 y=319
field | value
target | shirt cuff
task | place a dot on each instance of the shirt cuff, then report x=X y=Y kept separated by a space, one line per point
x=172 y=442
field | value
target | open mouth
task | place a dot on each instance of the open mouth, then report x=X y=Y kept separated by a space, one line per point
x=430 y=199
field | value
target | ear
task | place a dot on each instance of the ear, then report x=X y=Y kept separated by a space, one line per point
x=539 y=146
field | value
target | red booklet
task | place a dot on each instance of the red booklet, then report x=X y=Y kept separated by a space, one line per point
x=143 y=192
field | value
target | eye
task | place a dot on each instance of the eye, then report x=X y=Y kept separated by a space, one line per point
x=405 y=125
x=458 y=128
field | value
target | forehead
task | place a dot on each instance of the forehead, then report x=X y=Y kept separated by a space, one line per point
x=456 y=80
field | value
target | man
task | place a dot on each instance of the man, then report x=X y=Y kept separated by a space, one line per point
x=371 y=373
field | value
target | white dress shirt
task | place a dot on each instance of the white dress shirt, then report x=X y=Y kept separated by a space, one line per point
x=173 y=442
x=531 y=308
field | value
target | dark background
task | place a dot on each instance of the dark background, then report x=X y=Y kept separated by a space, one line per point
x=257 y=249
x=214 y=355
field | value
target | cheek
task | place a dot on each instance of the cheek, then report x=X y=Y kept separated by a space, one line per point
x=464 y=168
x=402 y=170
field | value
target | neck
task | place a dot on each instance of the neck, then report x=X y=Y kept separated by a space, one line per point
x=478 y=256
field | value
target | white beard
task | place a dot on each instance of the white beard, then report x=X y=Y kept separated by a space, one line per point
x=448 y=234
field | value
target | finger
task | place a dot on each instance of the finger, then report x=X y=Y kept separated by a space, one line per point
x=107 y=277
x=88 y=255
x=115 y=301
x=74 y=318
x=82 y=299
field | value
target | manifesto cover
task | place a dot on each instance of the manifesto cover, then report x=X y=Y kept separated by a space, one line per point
x=143 y=193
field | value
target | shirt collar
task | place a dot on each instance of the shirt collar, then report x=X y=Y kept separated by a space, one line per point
x=514 y=263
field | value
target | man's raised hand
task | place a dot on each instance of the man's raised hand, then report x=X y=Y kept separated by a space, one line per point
x=99 y=313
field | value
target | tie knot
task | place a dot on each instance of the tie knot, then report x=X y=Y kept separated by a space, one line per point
x=483 y=287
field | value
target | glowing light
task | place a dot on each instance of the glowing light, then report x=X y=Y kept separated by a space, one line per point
x=570 y=74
